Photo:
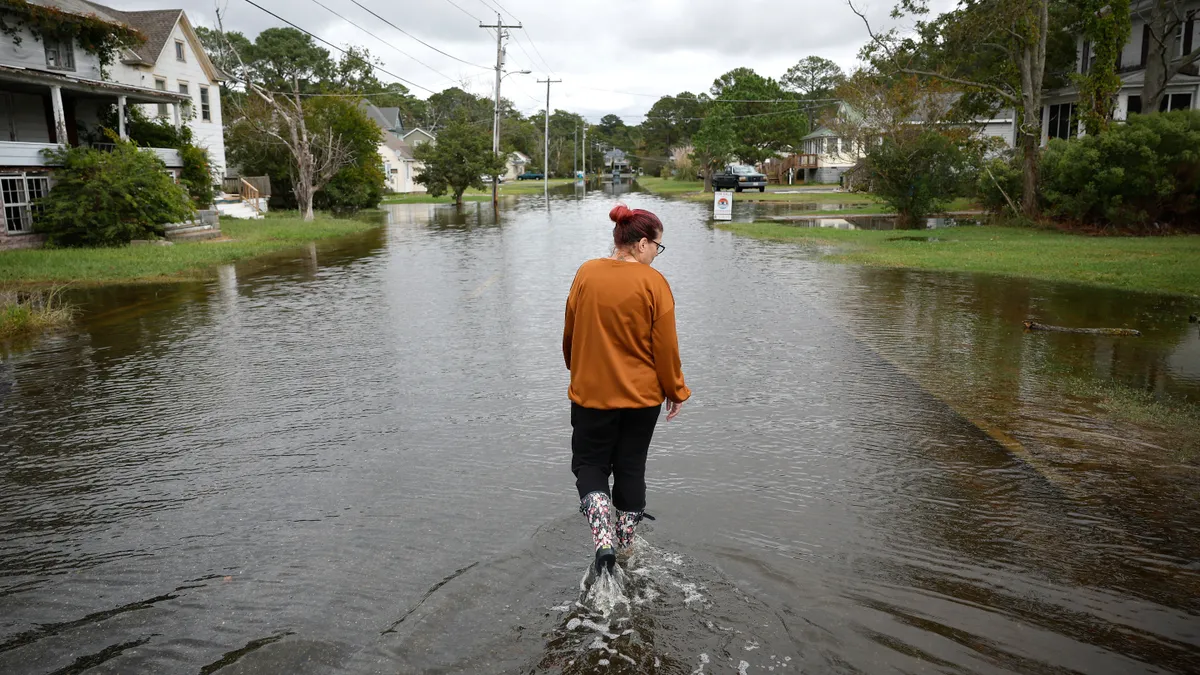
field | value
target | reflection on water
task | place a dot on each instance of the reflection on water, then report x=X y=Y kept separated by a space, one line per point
x=865 y=222
x=353 y=457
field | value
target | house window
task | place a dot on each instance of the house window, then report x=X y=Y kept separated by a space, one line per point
x=60 y=55
x=1175 y=102
x=1085 y=58
x=179 y=53
x=205 y=106
x=1063 y=123
x=161 y=85
x=183 y=89
x=1134 y=106
x=19 y=195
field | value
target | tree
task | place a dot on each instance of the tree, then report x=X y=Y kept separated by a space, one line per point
x=813 y=77
x=671 y=122
x=1105 y=26
x=286 y=63
x=919 y=153
x=768 y=118
x=459 y=159
x=360 y=184
x=285 y=58
x=715 y=142
x=1017 y=30
x=1164 y=19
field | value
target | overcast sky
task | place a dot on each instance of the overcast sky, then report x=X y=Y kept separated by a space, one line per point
x=616 y=57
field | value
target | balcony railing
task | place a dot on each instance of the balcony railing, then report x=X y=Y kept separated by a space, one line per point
x=20 y=154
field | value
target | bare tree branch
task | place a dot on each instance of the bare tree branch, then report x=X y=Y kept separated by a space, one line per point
x=1006 y=95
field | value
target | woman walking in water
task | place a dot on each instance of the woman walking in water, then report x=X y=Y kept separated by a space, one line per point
x=620 y=345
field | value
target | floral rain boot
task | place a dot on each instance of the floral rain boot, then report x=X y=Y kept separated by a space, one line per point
x=598 y=509
x=626 y=524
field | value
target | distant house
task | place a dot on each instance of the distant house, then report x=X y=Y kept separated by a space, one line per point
x=52 y=94
x=1060 y=119
x=396 y=149
x=515 y=165
x=615 y=161
x=172 y=59
x=827 y=156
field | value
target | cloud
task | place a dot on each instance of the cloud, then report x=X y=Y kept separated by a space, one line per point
x=646 y=48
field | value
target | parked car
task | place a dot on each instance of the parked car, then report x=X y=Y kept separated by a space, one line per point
x=531 y=175
x=739 y=177
x=488 y=179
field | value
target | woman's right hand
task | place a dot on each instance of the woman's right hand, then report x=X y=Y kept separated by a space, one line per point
x=673 y=409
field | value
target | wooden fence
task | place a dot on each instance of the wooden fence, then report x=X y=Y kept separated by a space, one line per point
x=234 y=185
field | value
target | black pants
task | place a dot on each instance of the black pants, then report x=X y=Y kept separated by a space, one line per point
x=613 y=442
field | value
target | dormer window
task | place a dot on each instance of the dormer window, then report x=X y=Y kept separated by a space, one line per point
x=59 y=54
x=179 y=53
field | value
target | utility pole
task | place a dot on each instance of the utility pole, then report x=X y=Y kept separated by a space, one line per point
x=585 y=150
x=500 y=35
x=575 y=152
x=546 y=155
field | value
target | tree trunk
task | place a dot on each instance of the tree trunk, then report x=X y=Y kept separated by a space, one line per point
x=1158 y=54
x=708 y=179
x=1033 y=73
x=458 y=197
x=1031 y=151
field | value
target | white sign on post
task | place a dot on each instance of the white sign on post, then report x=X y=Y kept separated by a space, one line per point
x=722 y=206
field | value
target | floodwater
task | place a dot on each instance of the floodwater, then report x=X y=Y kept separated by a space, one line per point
x=354 y=458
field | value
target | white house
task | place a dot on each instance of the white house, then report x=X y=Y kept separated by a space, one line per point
x=53 y=94
x=515 y=165
x=827 y=156
x=172 y=59
x=396 y=149
x=1060 y=118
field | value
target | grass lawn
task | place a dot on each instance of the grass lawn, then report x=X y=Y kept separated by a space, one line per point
x=183 y=261
x=524 y=187
x=694 y=190
x=1154 y=264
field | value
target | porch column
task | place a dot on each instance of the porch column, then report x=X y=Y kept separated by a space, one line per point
x=121 y=118
x=60 y=118
x=178 y=114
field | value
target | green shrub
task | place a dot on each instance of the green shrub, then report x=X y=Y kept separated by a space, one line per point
x=918 y=174
x=358 y=186
x=109 y=198
x=196 y=175
x=1146 y=171
x=998 y=177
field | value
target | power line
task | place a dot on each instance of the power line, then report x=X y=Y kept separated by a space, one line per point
x=719 y=100
x=456 y=5
x=536 y=50
x=385 y=42
x=339 y=49
x=417 y=38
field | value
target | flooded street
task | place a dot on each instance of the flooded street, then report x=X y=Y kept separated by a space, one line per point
x=354 y=458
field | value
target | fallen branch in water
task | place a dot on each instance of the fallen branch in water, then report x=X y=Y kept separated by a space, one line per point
x=1033 y=325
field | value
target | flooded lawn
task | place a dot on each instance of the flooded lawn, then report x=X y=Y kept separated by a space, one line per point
x=356 y=459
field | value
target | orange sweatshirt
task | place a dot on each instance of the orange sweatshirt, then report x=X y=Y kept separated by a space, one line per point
x=619 y=340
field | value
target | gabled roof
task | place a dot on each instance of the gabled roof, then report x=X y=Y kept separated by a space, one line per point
x=387 y=119
x=419 y=130
x=157 y=25
x=402 y=149
x=77 y=7
x=518 y=156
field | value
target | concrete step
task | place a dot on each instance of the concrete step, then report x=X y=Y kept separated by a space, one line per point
x=196 y=235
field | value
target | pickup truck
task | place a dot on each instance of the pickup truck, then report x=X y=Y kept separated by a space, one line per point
x=739 y=177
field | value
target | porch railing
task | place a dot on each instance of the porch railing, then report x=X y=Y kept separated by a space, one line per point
x=249 y=193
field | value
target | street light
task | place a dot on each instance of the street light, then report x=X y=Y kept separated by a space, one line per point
x=496 y=129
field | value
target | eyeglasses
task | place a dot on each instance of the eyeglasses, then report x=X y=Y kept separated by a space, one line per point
x=661 y=248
